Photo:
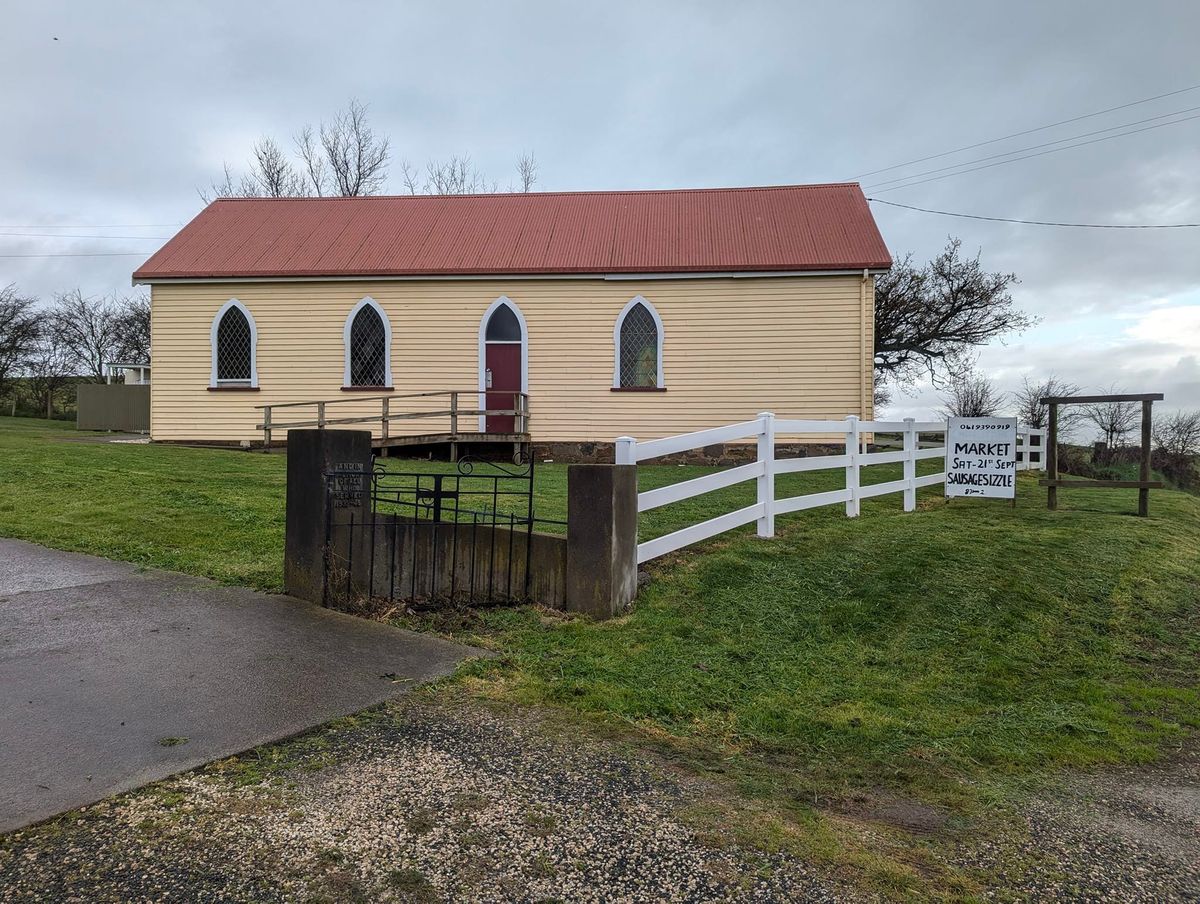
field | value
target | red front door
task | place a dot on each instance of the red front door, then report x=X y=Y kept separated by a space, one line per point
x=503 y=383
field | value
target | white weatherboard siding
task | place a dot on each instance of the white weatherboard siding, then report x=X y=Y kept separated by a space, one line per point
x=733 y=347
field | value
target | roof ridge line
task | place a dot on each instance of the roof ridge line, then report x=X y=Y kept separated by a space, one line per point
x=577 y=192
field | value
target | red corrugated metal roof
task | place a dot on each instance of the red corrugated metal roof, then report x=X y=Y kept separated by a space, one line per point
x=795 y=227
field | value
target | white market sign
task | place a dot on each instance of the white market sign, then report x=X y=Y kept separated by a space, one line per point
x=981 y=457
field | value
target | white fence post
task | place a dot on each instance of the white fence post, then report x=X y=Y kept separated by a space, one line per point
x=852 y=453
x=626 y=450
x=910 y=465
x=766 y=480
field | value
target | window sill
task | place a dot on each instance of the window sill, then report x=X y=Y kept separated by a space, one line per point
x=638 y=389
x=368 y=389
x=233 y=389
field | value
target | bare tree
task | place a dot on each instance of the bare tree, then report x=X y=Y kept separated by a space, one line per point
x=1177 y=442
x=883 y=392
x=344 y=157
x=1178 y=435
x=930 y=319
x=347 y=157
x=50 y=368
x=89 y=328
x=971 y=394
x=357 y=157
x=313 y=159
x=20 y=327
x=527 y=168
x=274 y=175
x=1113 y=420
x=133 y=328
x=458 y=175
x=1027 y=402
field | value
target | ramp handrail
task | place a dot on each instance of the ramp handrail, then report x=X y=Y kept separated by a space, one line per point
x=519 y=411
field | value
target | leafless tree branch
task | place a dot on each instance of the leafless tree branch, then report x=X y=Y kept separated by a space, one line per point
x=344 y=157
x=527 y=168
x=20 y=329
x=89 y=328
x=971 y=394
x=931 y=319
x=1029 y=408
x=357 y=157
x=1113 y=420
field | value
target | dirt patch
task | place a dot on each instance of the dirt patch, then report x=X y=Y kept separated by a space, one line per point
x=890 y=809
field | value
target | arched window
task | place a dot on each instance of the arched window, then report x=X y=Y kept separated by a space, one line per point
x=503 y=326
x=368 y=338
x=234 y=348
x=638 y=337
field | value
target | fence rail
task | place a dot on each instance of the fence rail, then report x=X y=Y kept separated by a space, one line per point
x=1030 y=454
x=765 y=430
x=320 y=415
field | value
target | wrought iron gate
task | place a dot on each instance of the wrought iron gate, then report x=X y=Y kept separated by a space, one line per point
x=461 y=536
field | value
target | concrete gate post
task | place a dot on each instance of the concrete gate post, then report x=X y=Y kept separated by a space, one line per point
x=601 y=578
x=312 y=454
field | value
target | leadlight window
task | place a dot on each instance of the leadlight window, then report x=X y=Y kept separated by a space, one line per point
x=503 y=326
x=368 y=348
x=639 y=349
x=235 y=348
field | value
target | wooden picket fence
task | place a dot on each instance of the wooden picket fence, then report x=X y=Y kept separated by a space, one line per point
x=765 y=431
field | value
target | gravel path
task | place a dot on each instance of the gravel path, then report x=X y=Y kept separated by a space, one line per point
x=1128 y=835
x=436 y=800
x=427 y=803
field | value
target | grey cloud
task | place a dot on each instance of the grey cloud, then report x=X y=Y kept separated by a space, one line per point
x=136 y=105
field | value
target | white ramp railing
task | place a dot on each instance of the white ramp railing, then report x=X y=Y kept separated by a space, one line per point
x=765 y=430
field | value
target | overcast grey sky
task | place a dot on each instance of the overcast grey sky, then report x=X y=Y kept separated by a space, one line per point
x=135 y=105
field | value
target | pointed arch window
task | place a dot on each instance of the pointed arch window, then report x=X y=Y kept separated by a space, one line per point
x=234 y=340
x=368 y=339
x=638 y=337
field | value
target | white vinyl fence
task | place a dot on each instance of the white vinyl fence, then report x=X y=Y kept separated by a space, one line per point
x=1031 y=454
x=765 y=429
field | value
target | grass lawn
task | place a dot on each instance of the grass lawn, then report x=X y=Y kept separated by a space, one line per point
x=940 y=654
x=220 y=513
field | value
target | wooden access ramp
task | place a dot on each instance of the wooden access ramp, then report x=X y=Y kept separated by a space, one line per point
x=411 y=410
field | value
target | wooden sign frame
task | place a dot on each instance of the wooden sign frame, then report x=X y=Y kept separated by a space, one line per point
x=1143 y=484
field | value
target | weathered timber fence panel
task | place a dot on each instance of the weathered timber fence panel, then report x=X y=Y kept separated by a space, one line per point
x=422 y=562
x=113 y=406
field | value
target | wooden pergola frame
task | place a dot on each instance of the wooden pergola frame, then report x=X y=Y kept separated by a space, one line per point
x=1143 y=484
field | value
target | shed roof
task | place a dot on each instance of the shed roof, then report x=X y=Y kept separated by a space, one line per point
x=773 y=229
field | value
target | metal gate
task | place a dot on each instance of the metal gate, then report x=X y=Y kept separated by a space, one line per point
x=460 y=536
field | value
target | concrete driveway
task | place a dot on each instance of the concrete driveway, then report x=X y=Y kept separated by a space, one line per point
x=112 y=677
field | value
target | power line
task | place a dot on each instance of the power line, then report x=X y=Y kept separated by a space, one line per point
x=1061 y=122
x=56 y=235
x=82 y=254
x=101 y=226
x=1034 y=147
x=971 y=216
x=1038 y=154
